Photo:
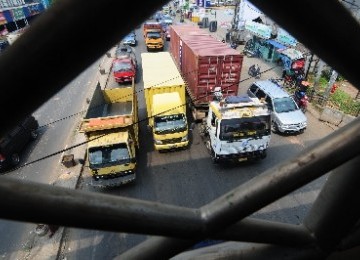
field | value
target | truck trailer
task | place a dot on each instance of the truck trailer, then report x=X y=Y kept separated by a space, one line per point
x=205 y=64
x=111 y=128
x=165 y=101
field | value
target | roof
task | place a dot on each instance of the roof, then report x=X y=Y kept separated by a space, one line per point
x=107 y=138
x=159 y=70
x=293 y=54
x=169 y=102
x=272 y=89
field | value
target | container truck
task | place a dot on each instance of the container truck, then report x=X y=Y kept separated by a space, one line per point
x=237 y=128
x=205 y=64
x=111 y=128
x=165 y=101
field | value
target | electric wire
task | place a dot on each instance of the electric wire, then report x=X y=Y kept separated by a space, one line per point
x=138 y=122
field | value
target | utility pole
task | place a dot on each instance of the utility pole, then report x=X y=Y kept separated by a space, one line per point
x=234 y=23
x=332 y=80
x=319 y=70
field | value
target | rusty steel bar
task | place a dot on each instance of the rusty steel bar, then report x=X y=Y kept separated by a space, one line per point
x=264 y=231
x=33 y=202
x=157 y=248
x=41 y=203
x=251 y=251
x=249 y=230
x=335 y=211
x=61 y=43
x=313 y=162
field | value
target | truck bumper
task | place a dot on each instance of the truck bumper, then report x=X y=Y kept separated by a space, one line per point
x=155 y=47
x=112 y=180
x=241 y=157
x=173 y=146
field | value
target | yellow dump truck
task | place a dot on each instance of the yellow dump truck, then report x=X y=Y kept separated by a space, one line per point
x=165 y=101
x=111 y=128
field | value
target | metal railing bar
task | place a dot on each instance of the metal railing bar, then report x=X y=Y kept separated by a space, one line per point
x=313 y=162
x=336 y=206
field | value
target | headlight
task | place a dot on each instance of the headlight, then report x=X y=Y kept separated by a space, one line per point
x=184 y=139
x=158 y=142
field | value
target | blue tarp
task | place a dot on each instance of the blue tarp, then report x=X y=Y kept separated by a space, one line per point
x=276 y=44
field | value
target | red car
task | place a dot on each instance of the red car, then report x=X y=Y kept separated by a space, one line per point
x=124 y=70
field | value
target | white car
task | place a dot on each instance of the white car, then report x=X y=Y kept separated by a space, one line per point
x=286 y=116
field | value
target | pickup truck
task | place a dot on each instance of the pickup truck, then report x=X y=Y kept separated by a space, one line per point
x=14 y=141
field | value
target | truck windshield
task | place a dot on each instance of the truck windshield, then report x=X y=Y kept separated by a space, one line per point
x=239 y=128
x=285 y=104
x=108 y=156
x=153 y=35
x=170 y=124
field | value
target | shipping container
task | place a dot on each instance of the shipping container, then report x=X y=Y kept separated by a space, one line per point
x=205 y=63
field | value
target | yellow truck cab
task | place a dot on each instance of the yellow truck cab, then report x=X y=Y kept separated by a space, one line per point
x=153 y=36
x=165 y=101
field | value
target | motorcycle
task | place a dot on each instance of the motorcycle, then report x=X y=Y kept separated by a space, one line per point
x=300 y=96
x=254 y=71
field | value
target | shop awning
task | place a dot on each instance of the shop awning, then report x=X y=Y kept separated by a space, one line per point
x=276 y=44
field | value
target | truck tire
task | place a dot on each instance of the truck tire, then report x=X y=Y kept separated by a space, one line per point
x=275 y=127
x=15 y=159
x=33 y=134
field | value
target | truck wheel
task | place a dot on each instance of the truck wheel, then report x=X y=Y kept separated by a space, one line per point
x=33 y=135
x=15 y=159
x=275 y=127
x=213 y=157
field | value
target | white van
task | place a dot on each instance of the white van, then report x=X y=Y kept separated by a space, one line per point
x=286 y=116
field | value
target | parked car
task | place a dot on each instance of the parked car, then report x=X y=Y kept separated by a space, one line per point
x=129 y=39
x=166 y=19
x=286 y=116
x=13 y=142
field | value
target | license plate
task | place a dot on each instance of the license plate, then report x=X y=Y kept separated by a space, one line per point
x=242 y=159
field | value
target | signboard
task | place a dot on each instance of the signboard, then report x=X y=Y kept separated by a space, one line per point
x=2 y=19
x=18 y=14
x=207 y=4
x=259 y=29
x=285 y=38
x=200 y=3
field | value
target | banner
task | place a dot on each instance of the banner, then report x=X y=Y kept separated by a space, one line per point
x=200 y=3
x=2 y=19
x=285 y=38
x=18 y=14
x=259 y=29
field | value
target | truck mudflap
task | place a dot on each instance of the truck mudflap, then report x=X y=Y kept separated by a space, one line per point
x=112 y=181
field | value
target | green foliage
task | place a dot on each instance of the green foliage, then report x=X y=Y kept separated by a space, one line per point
x=345 y=103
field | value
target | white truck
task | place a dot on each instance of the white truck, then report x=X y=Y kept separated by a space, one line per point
x=237 y=128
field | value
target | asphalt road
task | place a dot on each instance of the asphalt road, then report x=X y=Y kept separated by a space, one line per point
x=188 y=178
x=184 y=178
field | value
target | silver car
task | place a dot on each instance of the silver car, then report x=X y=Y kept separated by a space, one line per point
x=286 y=116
